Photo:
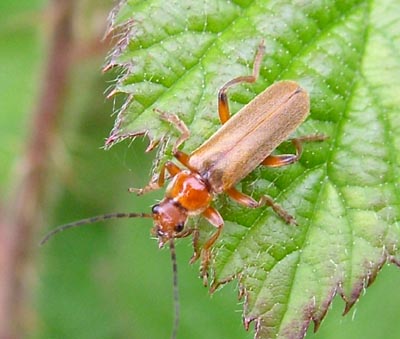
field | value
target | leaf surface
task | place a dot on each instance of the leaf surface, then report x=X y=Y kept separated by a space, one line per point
x=344 y=192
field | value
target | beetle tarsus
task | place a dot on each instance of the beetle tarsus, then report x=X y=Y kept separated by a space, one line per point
x=204 y=266
x=313 y=137
x=278 y=209
x=152 y=186
x=179 y=125
x=196 y=247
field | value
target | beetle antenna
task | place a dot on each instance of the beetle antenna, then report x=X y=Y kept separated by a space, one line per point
x=91 y=221
x=175 y=287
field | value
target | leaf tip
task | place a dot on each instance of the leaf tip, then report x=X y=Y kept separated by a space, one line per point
x=111 y=94
x=348 y=307
x=115 y=138
x=247 y=321
x=152 y=145
x=352 y=299
x=110 y=65
x=394 y=260
x=317 y=324
x=111 y=140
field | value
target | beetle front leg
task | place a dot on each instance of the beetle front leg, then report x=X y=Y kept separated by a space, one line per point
x=248 y=201
x=215 y=219
x=179 y=125
x=223 y=104
x=158 y=181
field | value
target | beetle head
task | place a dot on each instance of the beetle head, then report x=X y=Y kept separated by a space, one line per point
x=169 y=220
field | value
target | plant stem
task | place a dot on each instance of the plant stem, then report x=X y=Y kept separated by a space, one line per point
x=18 y=220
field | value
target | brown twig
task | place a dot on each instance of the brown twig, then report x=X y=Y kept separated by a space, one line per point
x=17 y=223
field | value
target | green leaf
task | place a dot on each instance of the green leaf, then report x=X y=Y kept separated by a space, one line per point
x=343 y=192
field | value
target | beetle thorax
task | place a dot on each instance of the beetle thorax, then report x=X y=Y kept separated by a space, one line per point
x=189 y=190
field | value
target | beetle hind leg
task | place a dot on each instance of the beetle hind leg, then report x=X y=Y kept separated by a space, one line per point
x=288 y=159
x=248 y=201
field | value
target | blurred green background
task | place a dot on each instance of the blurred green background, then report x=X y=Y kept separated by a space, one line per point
x=111 y=280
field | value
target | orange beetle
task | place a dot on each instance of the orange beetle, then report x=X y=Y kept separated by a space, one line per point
x=244 y=142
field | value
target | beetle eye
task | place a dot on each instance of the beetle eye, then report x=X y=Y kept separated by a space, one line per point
x=155 y=209
x=179 y=227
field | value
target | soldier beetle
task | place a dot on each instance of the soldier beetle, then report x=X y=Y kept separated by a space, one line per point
x=244 y=142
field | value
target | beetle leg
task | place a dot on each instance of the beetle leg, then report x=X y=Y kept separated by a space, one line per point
x=183 y=158
x=196 y=253
x=284 y=159
x=214 y=218
x=179 y=125
x=287 y=159
x=158 y=181
x=223 y=104
x=313 y=137
x=248 y=201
